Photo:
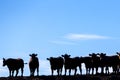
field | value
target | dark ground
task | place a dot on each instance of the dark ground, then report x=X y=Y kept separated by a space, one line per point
x=78 y=77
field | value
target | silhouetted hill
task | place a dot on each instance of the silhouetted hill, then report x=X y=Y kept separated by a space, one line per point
x=83 y=77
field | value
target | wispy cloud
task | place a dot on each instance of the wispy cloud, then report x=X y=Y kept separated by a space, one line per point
x=73 y=36
x=63 y=42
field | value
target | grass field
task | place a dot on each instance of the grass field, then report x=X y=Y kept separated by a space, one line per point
x=78 y=77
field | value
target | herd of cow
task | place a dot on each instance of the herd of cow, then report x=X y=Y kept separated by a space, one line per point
x=91 y=62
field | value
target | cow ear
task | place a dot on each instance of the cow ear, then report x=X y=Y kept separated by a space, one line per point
x=48 y=59
x=90 y=55
x=62 y=55
x=105 y=54
x=3 y=59
x=98 y=54
x=117 y=53
x=30 y=55
x=69 y=55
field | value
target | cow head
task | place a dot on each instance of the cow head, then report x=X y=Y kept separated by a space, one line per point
x=50 y=58
x=93 y=55
x=33 y=55
x=4 y=62
x=118 y=53
x=102 y=55
x=66 y=56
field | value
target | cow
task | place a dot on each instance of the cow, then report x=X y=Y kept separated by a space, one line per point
x=70 y=63
x=14 y=65
x=79 y=61
x=56 y=63
x=33 y=64
x=118 y=53
x=109 y=61
x=95 y=62
x=87 y=60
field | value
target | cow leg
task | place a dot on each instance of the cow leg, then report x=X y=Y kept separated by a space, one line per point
x=37 y=71
x=97 y=70
x=92 y=71
x=58 y=72
x=80 y=70
x=69 y=72
x=9 y=73
x=117 y=68
x=21 y=71
x=65 y=71
x=75 y=71
x=52 y=72
x=16 y=73
x=12 y=73
x=86 y=71
x=106 y=70
x=31 y=72
x=102 y=69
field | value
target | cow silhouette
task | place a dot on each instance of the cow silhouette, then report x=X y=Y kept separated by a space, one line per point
x=56 y=63
x=70 y=63
x=110 y=61
x=14 y=65
x=33 y=64
x=95 y=62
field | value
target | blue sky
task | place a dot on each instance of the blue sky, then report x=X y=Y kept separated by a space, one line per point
x=55 y=27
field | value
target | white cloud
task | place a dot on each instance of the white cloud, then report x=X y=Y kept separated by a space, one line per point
x=84 y=36
x=63 y=42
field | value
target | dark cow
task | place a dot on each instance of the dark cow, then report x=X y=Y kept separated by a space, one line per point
x=88 y=63
x=56 y=63
x=95 y=62
x=14 y=65
x=104 y=62
x=33 y=64
x=70 y=63
x=118 y=53
x=78 y=62
x=110 y=61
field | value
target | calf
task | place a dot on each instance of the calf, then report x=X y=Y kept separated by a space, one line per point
x=33 y=64
x=14 y=65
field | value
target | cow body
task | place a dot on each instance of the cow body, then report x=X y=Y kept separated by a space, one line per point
x=33 y=64
x=56 y=63
x=14 y=65
x=70 y=64
x=109 y=61
x=95 y=62
x=88 y=64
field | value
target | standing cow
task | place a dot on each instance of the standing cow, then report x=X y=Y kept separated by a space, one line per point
x=56 y=63
x=14 y=65
x=33 y=64
x=70 y=64
x=95 y=62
